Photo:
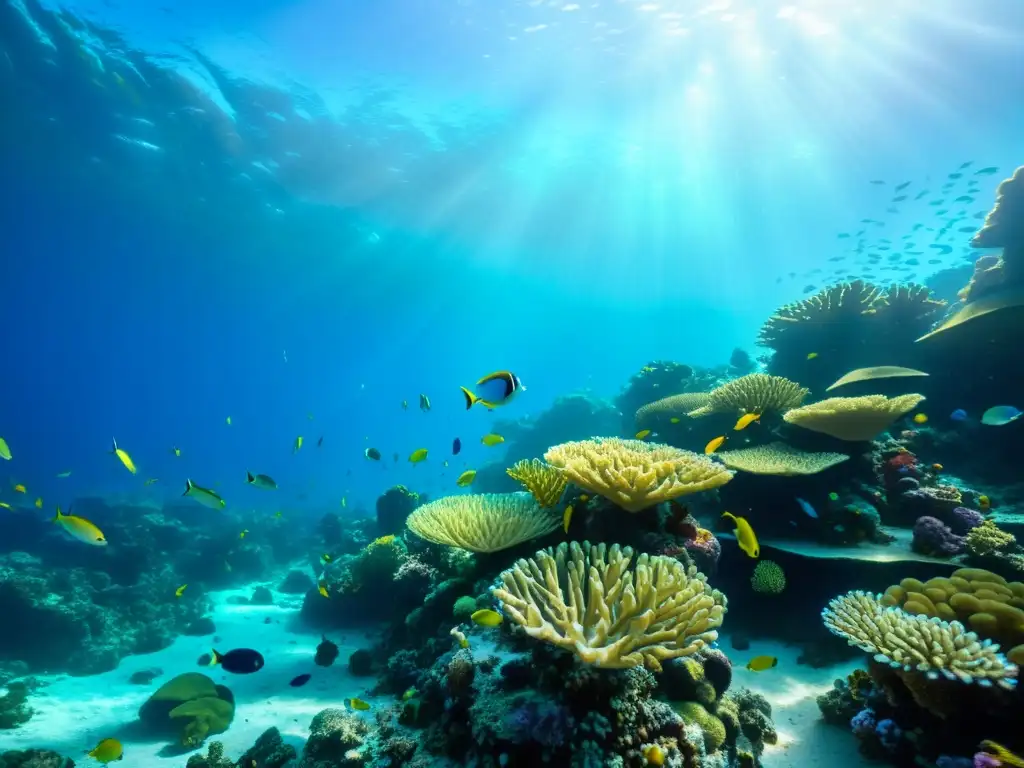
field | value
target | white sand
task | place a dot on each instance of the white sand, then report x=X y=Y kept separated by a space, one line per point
x=74 y=713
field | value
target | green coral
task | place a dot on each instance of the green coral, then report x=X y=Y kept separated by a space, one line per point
x=464 y=608
x=711 y=726
x=214 y=758
x=201 y=717
x=768 y=578
x=376 y=564
x=14 y=708
x=189 y=708
x=988 y=539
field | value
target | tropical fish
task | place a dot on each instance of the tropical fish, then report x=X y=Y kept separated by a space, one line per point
x=938 y=467
x=297 y=445
x=152 y=480
x=1000 y=415
x=714 y=445
x=808 y=509
x=301 y=680
x=326 y=652
x=5 y=451
x=745 y=536
x=409 y=694
x=761 y=663
x=204 y=496
x=64 y=474
x=5 y=505
x=418 y=455
x=642 y=434
x=320 y=442
x=344 y=501
x=242 y=534
x=901 y=187
x=405 y=405
x=494 y=389
x=180 y=590
x=920 y=418
x=466 y=478
x=566 y=518
x=322 y=589
x=327 y=558
x=80 y=528
x=124 y=457
x=20 y=488
x=984 y=502
x=176 y=451
x=260 y=481
x=831 y=497
x=372 y=454
x=359 y=704
x=107 y=751
x=456 y=446
x=986 y=171
x=811 y=355
x=491 y=440
x=675 y=420
x=228 y=421
x=746 y=420
x=240 y=661
x=39 y=502
x=485 y=617
x=424 y=403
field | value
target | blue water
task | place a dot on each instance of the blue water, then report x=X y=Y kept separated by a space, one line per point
x=443 y=189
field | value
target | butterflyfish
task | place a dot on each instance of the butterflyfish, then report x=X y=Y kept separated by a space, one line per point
x=744 y=535
x=761 y=663
x=418 y=455
x=466 y=478
x=204 y=496
x=920 y=418
x=642 y=434
x=485 y=617
x=746 y=420
x=20 y=488
x=493 y=390
x=714 y=445
x=124 y=457
x=80 y=528
x=107 y=751
x=359 y=704
x=492 y=439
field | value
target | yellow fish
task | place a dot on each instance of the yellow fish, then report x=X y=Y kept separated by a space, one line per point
x=566 y=517
x=746 y=420
x=39 y=503
x=761 y=663
x=19 y=488
x=322 y=589
x=584 y=498
x=242 y=534
x=418 y=455
x=180 y=590
x=298 y=444
x=714 y=445
x=984 y=502
x=485 y=617
x=359 y=704
x=228 y=421
x=124 y=457
x=492 y=440
x=327 y=558
x=277 y=514
x=812 y=355
x=1002 y=755
x=5 y=505
x=176 y=451
x=920 y=418
x=466 y=478
x=674 y=420
x=5 y=451
x=152 y=480
x=409 y=694
x=642 y=434
x=744 y=535
x=81 y=529
x=107 y=751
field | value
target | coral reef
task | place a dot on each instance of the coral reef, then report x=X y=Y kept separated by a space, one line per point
x=545 y=483
x=188 y=708
x=853 y=418
x=662 y=412
x=394 y=507
x=754 y=393
x=14 y=708
x=482 y=522
x=779 y=459
x=335 y=740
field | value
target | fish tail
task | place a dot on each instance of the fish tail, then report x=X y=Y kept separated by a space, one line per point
x=188 y=487
x=730 y=515
x=215 y=658
x=248 y=477
x=470 y=397
x=114 y=441
x=57 y=516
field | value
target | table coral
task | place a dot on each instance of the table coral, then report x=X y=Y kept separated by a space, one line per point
x=853 y=418
x=754 y=393
x=545 y=483
x=487 y=522
x=780 y=459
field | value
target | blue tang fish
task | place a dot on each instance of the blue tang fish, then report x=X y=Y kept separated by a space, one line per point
x=958 y=415
x=998 y=415
x=807 y=508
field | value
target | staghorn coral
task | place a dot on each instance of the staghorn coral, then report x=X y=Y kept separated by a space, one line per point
x=753 y=393
x=609 y=611
x=636 y=475
x=852 y=418
x=544 y=482
x=779 y=459
x=980 y=599
x=676 y=406
x=916 y=643
x=486 y=522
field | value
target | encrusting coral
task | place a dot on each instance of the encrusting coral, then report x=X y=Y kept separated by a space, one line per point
x=852 y=418
x=916 y=643
x=544 y=482
x=190 y=707
x=676 y=406
x=754 y=393
x=633 y=474
x=609 y=611
x=779 y=459
x=486 y=522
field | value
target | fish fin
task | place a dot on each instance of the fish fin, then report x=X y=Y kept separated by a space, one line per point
x=730 y=515
x=215 y=658
x=248 y=477
x=188 y=487
x=470 y=397
x=775 y=661
x=114 y=441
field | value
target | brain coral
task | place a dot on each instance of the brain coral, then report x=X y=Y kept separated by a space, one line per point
x=753 y=393
x=852 y=418
x=486 y=522
x=779 y=459
x=633 y=474
x=609 y=611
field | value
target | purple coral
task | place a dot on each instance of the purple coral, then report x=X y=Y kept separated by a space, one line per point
x=933 y=537
x=985 y=760
x=705 y=550
x=863 y=724
x=889 y=734
x=962 y=520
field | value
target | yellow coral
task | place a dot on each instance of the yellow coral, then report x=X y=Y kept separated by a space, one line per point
x=827 y=308
x=665 y=409
x=712 y=727
x=633 y=474
x=779 y=459
x=753 y=393
x=852 y=418
x=544 y=482
x=486 y=522
x=610 y=612
x=988 y=538
x=917 y=643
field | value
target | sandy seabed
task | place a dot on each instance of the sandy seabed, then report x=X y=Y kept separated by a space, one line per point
x=74 y=713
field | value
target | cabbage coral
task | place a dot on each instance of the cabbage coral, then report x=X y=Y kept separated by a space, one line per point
x=916 y=643
x=754 y=393
x=544 y=482
x=779 y=459
x=633 y=474
x=487 y=522
x=853 y=418
x=609 y=611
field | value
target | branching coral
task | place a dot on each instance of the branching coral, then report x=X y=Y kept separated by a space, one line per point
x=753 y=393
x=916 y=643
x=610 y=612
x=852 y=418
x=988 y=538
x=486 y=522
x=633 y=474
x=676 y=406
x=779 y=459
x=544 y=482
